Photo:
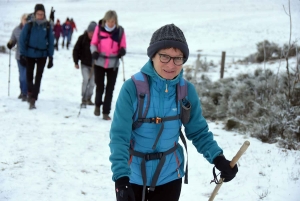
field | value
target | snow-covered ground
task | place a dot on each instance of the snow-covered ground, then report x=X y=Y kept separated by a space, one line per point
x=52 y=154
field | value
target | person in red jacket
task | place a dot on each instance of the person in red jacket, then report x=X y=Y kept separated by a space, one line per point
x=66 y=32
x=57 y=30
x=73 y=28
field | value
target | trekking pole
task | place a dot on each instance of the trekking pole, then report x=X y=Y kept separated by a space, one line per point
x=235 y=159
x=123 y=69
x=90 y=77
x=9 y=70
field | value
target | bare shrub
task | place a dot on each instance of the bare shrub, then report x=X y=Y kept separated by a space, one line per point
x=263 y=194
x=257 y=104
x=267 y=51
x=2 y=49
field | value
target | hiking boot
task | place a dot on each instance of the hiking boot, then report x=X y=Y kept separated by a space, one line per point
x=83 y=102
x=32 y=104
x=28 y=97
x=106 y=117
x=89 y=102
x=24 y=98
x=20 y=96
x=97 y=111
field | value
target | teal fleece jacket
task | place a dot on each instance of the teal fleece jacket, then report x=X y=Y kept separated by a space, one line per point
x=162 y=104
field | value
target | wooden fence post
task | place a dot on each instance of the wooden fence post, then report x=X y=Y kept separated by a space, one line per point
x=197 y=66
x=223 y=64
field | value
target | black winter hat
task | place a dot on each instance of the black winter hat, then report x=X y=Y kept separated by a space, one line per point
x=166 y=37
x=39 y=7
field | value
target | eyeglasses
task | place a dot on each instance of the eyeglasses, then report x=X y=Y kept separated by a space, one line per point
x=178 y=61
x=40 y=14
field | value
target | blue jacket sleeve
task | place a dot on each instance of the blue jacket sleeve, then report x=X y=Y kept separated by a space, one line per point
x=197 y=130
x=22 y=40
x=120 y=132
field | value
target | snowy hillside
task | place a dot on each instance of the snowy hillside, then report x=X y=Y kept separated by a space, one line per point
x=52 y=154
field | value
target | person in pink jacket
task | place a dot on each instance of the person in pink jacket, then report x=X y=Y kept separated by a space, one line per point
x=108 y=45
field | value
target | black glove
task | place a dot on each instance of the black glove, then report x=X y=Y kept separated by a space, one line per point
x=124 y=190
x=223 y=165
x=50 y=62
x=121 y=52
x=52 y=14
x=95 y=55
x=9 y=45
x=23 y=60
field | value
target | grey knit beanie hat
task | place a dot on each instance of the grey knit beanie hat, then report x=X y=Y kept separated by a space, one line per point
x=168 y=36
x=91 y=26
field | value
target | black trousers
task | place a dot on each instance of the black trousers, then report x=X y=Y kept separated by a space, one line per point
x=34 y=88
x=56 y=42
x=111 y=76
x=167 y=192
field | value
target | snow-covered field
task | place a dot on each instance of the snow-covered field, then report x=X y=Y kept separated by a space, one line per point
x=52 y=154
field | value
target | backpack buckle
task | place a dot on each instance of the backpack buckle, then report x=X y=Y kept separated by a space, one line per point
x=156 y=120
x=153 y=156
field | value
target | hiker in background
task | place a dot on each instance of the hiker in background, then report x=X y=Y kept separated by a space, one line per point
x=144 y=134
x=57 y=30
x=73 y=24
x=82 y=52
x=73 y=28
x=107 y=46
x=51 y=16
x=22 y=69
x=67 y=32
x=36 y=44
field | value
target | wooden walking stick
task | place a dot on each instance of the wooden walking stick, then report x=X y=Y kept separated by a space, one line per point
x=235 y=159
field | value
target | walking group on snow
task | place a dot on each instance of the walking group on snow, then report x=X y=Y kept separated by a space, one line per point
x=99 y=49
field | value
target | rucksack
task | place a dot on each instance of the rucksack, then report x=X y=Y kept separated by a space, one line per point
x=143 y=91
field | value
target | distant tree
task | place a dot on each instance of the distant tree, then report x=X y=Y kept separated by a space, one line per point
x=267 y=51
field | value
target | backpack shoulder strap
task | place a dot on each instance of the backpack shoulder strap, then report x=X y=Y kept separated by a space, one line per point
x=48 y=24
x=48 y=28
x=143 y=92
x=99 y=29
x=121 y=31
x=30 y=24
x=181 y=89
x=184 y=115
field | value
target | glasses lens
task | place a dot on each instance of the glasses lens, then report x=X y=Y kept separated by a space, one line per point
x=164 y=58
x=178 y=61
